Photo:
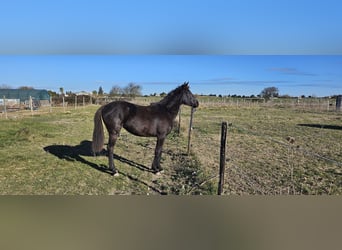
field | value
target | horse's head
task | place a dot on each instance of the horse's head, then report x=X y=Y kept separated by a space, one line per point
x=188 y=98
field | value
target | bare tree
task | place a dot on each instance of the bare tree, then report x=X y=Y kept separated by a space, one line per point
x=269 y=92
x=132 y=90
x=115 y=91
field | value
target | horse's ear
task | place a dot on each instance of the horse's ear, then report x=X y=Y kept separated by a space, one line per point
x=186 y=84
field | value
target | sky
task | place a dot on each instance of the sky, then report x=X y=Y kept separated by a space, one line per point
x=207 y=74
x=219 y=46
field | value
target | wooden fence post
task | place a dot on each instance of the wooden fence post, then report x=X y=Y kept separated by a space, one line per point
x=179 y=121
x=63 y=103
x=5 y=109
x=190 y=128
x=339 y=103
x=222 y=157
x=31 y=105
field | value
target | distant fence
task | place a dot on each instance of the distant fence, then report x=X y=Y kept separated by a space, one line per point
x=83 y=100
x=314 y=104
x=10 y=108
x=15 y=108
x=12 y=105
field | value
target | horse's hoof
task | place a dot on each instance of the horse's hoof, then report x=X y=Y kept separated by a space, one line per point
x=116 y=173
x=159 y=172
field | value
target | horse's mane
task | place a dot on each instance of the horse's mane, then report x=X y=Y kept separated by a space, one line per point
x=173 y=97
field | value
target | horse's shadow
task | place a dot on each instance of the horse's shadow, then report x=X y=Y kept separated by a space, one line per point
x=75 y=153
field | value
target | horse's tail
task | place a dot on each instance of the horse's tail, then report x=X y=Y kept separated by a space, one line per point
x=98 y=135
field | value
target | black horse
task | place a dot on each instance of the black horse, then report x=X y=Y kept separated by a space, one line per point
x=155 y=120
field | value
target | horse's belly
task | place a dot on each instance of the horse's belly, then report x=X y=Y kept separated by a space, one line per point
x=147 y=128
x=140 y=129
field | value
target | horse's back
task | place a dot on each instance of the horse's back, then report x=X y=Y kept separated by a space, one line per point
x=116 y=112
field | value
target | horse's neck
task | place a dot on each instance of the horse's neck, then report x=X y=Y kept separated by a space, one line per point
x=173 y=110
x=171 y=104
x=171 y=107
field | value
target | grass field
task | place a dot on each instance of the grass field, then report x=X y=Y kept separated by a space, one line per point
x=270 y=150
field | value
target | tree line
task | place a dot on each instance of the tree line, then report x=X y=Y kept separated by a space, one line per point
x=130 y=90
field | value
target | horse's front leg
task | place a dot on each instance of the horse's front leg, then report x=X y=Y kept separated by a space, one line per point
x=157 y=155
x=110 y=147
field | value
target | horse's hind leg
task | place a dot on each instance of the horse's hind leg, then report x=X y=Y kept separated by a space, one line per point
x=157 y=155
x=113 y=136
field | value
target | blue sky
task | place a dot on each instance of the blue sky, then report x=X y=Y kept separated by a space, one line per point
x=221 y=47
x=208 y=74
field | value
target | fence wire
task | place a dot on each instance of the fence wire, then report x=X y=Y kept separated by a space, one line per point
x=284 y=175
x=290 y=146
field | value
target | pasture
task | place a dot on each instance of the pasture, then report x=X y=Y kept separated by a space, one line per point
x=271 y=149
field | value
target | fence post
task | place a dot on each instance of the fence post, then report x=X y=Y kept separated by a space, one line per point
x=5 y=110
x=339 y=103
x=190 y=128
x=75 y=101
x=31 y=105
x=179 y=120
x=63 y=103
x=222 y=157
